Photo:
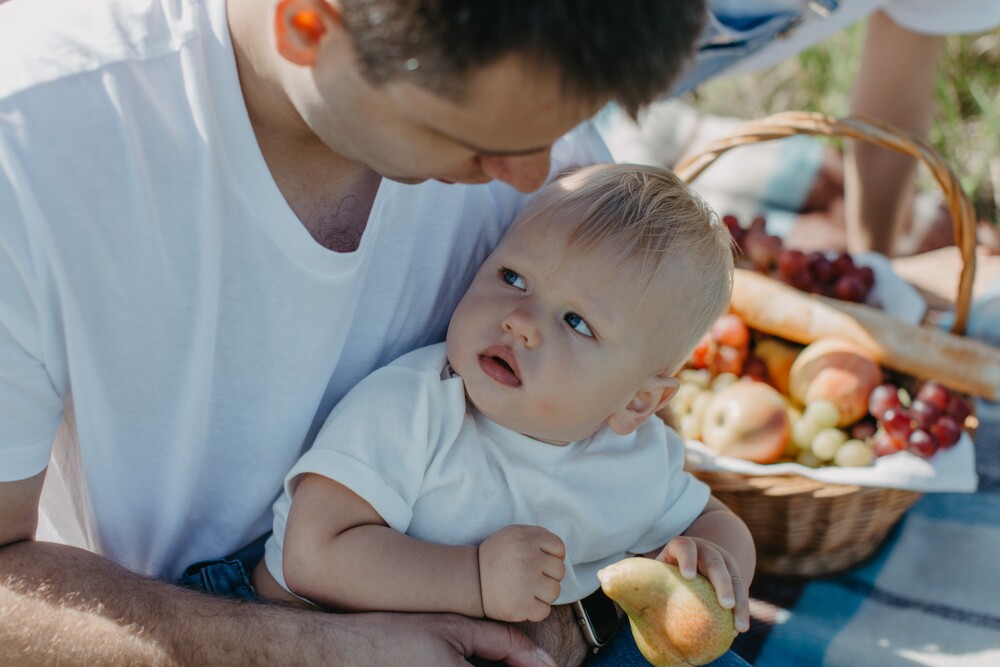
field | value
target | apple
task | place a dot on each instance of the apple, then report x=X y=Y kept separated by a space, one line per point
x=835 y=370
x=747 y=420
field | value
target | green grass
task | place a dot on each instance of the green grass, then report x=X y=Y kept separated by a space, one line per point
x=966 y=130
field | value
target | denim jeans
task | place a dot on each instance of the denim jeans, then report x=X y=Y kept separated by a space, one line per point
x=726 y=41
x=228 y=577
x=621 y=651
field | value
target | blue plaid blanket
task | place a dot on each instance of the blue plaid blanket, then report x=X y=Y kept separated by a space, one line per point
x=930 y=596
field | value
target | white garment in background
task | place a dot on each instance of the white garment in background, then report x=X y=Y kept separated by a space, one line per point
x=932 y=17
x=152 y=270
x=437 y=470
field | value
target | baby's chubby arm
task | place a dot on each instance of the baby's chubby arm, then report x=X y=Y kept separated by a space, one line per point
x=718 y=545
x=340 y=554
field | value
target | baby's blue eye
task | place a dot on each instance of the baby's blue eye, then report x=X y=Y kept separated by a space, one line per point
x=578 y=324
x=512 y=278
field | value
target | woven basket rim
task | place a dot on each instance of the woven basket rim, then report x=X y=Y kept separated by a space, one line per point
x=790 y=123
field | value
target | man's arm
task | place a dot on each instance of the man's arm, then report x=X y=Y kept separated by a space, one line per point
x=62 y=605
x=560 y=636
x=895 y=84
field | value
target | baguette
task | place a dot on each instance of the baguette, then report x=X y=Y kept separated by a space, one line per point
x=925 y=352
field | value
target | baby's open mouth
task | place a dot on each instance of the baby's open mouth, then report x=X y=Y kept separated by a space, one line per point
x=500 y=367
x=503 y=363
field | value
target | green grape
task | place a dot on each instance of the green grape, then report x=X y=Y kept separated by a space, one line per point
x=827 y=442
x=824 y=413
x=854 y=453
x=803 y=432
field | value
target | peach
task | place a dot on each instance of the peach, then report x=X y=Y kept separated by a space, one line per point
x=836 y=370
x=747 y=420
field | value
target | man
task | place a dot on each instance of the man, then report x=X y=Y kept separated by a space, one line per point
x=206 y=238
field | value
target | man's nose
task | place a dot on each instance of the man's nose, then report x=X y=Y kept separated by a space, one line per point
x=523 y=325
x=526 y=173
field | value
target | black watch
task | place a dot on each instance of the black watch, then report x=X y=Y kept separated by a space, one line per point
x=597 y=616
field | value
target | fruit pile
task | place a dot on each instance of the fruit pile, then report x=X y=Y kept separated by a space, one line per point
x=763 y=399
x=814 y=272
x=931 y=421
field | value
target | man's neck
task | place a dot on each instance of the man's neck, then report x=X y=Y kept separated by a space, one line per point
x=331 y=195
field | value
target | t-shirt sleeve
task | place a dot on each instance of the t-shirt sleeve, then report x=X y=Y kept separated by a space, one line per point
x=379 y=439
x=684 y=501
x=30 y=405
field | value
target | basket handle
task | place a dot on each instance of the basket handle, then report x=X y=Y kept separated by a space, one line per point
x=787 y=124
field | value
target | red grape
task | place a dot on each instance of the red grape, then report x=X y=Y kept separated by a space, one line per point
x=762 y=249
x=883 y=397
x=958 y=408
x=842 y=265
x=922 y=444
x=883 y=444
x=792 y=263
x=897 y=424
x=820 y=268
x=736 y=231
x=947 y=431
x=863 y=430
x=850 y=288
x=924 y=413
x=934 y=392
x=758 y=223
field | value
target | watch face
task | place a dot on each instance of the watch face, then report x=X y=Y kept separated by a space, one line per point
x=603 y=616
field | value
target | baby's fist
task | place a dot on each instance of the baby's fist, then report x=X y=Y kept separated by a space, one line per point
x=520 y=568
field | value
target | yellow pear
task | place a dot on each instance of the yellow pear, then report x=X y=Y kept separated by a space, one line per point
x=675 y=621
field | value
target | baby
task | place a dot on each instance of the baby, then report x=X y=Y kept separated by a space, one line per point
x=494 y=474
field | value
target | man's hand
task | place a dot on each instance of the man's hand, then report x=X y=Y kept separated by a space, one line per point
x=440 y=639
x=520 y=568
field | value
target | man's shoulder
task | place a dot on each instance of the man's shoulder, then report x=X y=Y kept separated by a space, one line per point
x=45 y=41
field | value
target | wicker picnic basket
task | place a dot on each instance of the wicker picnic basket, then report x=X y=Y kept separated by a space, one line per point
x=804 y=527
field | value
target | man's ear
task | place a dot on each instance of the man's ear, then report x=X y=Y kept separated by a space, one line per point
x=653 y=395
x=299 y=27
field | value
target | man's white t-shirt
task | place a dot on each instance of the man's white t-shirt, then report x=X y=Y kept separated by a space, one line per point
x=405 y=441
x=152 y=271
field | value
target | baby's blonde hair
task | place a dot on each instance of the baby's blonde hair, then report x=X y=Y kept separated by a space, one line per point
x=651 y=218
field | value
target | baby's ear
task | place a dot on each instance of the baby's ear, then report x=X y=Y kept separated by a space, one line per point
x=655 y=393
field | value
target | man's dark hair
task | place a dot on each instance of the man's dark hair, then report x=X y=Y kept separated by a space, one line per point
x=629 y=50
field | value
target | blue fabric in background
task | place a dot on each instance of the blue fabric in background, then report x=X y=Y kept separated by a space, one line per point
x=930 y=596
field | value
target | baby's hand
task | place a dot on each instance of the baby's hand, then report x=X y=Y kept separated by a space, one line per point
x=694 y=554
x=520 y=568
